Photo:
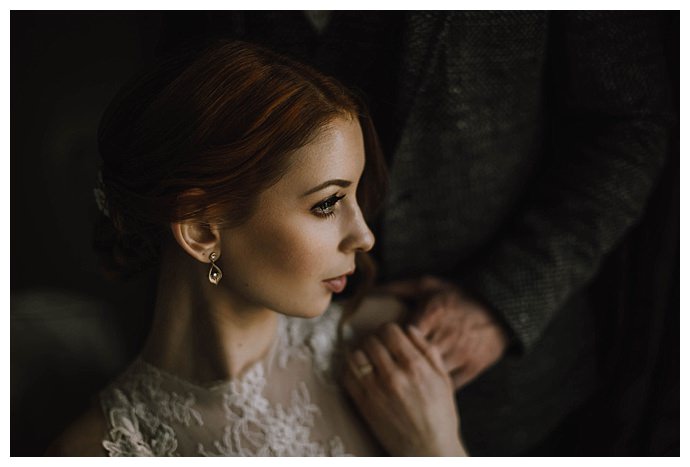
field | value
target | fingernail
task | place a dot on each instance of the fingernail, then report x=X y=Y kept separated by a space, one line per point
x=414 y=329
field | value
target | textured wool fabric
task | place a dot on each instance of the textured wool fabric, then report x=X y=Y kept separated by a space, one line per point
x=531 y=143
x=473 y=172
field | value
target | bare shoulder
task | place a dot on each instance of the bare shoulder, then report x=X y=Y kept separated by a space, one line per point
x=374 y=311
x=83 y=437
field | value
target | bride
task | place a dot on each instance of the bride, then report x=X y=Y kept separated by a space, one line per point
x=239 y=174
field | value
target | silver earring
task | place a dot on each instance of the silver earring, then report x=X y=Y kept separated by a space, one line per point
x=214 y=274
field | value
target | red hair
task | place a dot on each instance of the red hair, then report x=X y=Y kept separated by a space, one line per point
x=223 y=121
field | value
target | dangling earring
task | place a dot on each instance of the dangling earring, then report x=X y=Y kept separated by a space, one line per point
x=214 y=274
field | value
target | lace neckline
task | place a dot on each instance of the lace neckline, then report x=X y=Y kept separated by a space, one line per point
x=298 y=411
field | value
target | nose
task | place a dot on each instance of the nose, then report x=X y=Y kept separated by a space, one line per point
x=359 y=238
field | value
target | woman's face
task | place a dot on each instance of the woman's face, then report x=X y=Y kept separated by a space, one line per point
x=306 y=229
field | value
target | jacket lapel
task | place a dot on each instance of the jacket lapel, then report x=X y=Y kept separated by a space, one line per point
x=424 y=34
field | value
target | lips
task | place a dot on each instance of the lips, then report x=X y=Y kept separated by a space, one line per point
x=337 y=284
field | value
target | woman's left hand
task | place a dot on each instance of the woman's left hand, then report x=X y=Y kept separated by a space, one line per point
x=398 y=382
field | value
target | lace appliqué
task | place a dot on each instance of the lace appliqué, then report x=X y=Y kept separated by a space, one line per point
x=257 y=428
x=142 y=414
x=316 y=341
x=137 y=422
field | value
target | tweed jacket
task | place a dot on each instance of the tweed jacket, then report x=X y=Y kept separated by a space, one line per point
x=531 y=142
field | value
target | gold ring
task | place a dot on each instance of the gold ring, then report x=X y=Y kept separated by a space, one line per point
x=364 y=370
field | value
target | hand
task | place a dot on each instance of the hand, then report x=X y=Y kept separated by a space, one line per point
x=399 y=385
x=464 y=331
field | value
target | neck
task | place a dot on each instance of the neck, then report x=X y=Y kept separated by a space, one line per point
x=202 y=332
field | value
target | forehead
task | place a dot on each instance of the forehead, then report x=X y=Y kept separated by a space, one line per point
x=337 y=151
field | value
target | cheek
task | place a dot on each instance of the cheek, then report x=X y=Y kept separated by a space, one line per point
x=301 y=251
x=289 y=252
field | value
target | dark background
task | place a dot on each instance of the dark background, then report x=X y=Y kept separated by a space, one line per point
x=71 y=330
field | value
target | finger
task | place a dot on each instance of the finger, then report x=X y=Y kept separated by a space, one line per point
x=455 y=349
x=458 y=378
x=399 y=345
x=430 y=319
x=365 y=393
x=355 y=387
x=351 y=382
x=361 y=384
x=454 y=361
x=464 y=376
x=429 y=351
x=359 y=365
x=450 y=330
x=379 y=356
x=447 y=339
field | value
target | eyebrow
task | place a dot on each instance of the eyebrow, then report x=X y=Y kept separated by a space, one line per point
x=337 y=181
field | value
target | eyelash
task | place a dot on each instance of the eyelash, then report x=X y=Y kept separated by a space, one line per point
x=326 y=208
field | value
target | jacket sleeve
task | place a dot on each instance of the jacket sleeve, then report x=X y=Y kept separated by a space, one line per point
x=609 y=119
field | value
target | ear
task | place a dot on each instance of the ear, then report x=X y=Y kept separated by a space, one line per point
x=196 y=237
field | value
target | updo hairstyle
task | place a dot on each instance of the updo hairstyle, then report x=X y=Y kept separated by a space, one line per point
x=223 y=121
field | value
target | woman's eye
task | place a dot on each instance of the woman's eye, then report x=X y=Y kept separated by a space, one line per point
x=326 y=208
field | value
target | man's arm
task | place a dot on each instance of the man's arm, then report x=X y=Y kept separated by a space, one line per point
x=610 y=135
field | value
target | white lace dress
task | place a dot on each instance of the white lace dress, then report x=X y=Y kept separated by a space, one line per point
x=287 y=404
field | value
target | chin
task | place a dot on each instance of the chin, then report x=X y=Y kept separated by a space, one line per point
x=319 y=308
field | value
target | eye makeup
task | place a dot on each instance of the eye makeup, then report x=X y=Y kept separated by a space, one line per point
x=326 y=208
